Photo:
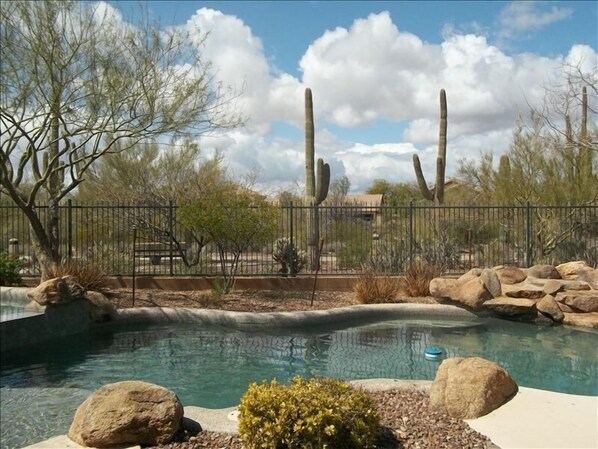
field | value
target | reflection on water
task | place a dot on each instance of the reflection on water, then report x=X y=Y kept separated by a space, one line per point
x=212 y=367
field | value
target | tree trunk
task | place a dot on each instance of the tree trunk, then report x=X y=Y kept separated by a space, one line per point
x=46 y=254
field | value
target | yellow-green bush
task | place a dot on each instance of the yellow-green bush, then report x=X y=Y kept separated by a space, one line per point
x=308 y=414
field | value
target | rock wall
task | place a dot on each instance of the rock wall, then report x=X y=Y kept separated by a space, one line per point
x=546 y=294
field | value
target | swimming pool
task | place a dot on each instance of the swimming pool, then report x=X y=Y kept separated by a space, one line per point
x=12 y=312
x=211 y=366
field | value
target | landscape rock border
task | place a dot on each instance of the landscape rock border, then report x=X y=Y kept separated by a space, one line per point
x=544 y=294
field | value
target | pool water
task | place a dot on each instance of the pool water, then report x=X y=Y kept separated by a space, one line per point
x=212 y=366
x=11 y=312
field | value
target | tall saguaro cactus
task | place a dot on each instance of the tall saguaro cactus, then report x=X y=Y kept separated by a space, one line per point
x=584 y=148
x=316 y=184
x=436 y=194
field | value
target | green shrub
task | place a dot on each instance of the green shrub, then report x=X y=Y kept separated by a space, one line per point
x=308 y=414
x=88 y=275
x=9 y=269
x=370 y=288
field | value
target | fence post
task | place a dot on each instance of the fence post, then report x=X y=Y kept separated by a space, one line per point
x=528 y=235
x=291 y=222
x=69 y=229
x=134 y=267
x=411 y=217
x=171 y=234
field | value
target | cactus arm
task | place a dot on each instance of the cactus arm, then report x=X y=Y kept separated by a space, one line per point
x=323 y=181
x=421 y=181
x=437 y=193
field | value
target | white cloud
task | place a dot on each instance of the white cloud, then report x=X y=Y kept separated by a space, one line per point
x=238 y=59
x=373 y=71
x=521 y=17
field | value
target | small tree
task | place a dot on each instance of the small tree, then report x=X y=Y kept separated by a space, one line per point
x=151 y=178
x=234 y=218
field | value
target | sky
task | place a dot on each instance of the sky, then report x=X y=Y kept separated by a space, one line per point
x=375 y=70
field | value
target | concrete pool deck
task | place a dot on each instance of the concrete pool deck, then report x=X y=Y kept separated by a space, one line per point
x=532 y=419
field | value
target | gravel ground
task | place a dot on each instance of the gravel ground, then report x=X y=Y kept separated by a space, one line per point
x=408 y=424
x=406 y=421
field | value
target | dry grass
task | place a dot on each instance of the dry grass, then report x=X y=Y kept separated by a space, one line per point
x=416 y=281
x=88 y=275
x=372 y=289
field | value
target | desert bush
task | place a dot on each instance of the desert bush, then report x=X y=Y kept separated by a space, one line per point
x=88 y=275
x=110 y=258
x=308 y=414
x=10 y=266
x=442 y=253
x=291 y=260
x=416 y=281
x=387 y=256
x=371 y=288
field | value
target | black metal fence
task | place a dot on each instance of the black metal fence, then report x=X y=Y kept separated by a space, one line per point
x=387 y=239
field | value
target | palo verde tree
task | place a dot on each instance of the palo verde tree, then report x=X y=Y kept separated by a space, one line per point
x=395 y=194
x=78 y=84
x=233 y=218
x=157 y=180
x=551 y=161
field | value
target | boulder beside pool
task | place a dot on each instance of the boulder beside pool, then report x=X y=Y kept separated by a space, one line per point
x=129 y=412
x=471 y=387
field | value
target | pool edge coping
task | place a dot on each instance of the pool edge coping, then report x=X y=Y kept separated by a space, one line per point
x=273 y=320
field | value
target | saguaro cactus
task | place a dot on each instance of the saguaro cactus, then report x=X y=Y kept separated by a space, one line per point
x=436 y=194
x=584 y=157
x=316 y=184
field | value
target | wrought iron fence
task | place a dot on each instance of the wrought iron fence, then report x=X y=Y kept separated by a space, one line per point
x=385 y=238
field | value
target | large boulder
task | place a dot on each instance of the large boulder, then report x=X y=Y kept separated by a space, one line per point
x=473 y=293
x=581 y=319
x=525 y=289
x=511 y=275
x=590 y=276
x=59 y=290
x=101 y=309
x=512 y=307
x=491 y=282
x=549 y=307
x=543 y=272
x=468 y=388
x=581 y=301
x=443 y=288
x=571 y=270
x=129 y=412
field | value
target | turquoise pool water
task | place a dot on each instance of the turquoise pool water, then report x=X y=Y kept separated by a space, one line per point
x=212 y=366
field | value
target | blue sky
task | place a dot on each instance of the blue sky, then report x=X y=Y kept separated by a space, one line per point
x=375 y=69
